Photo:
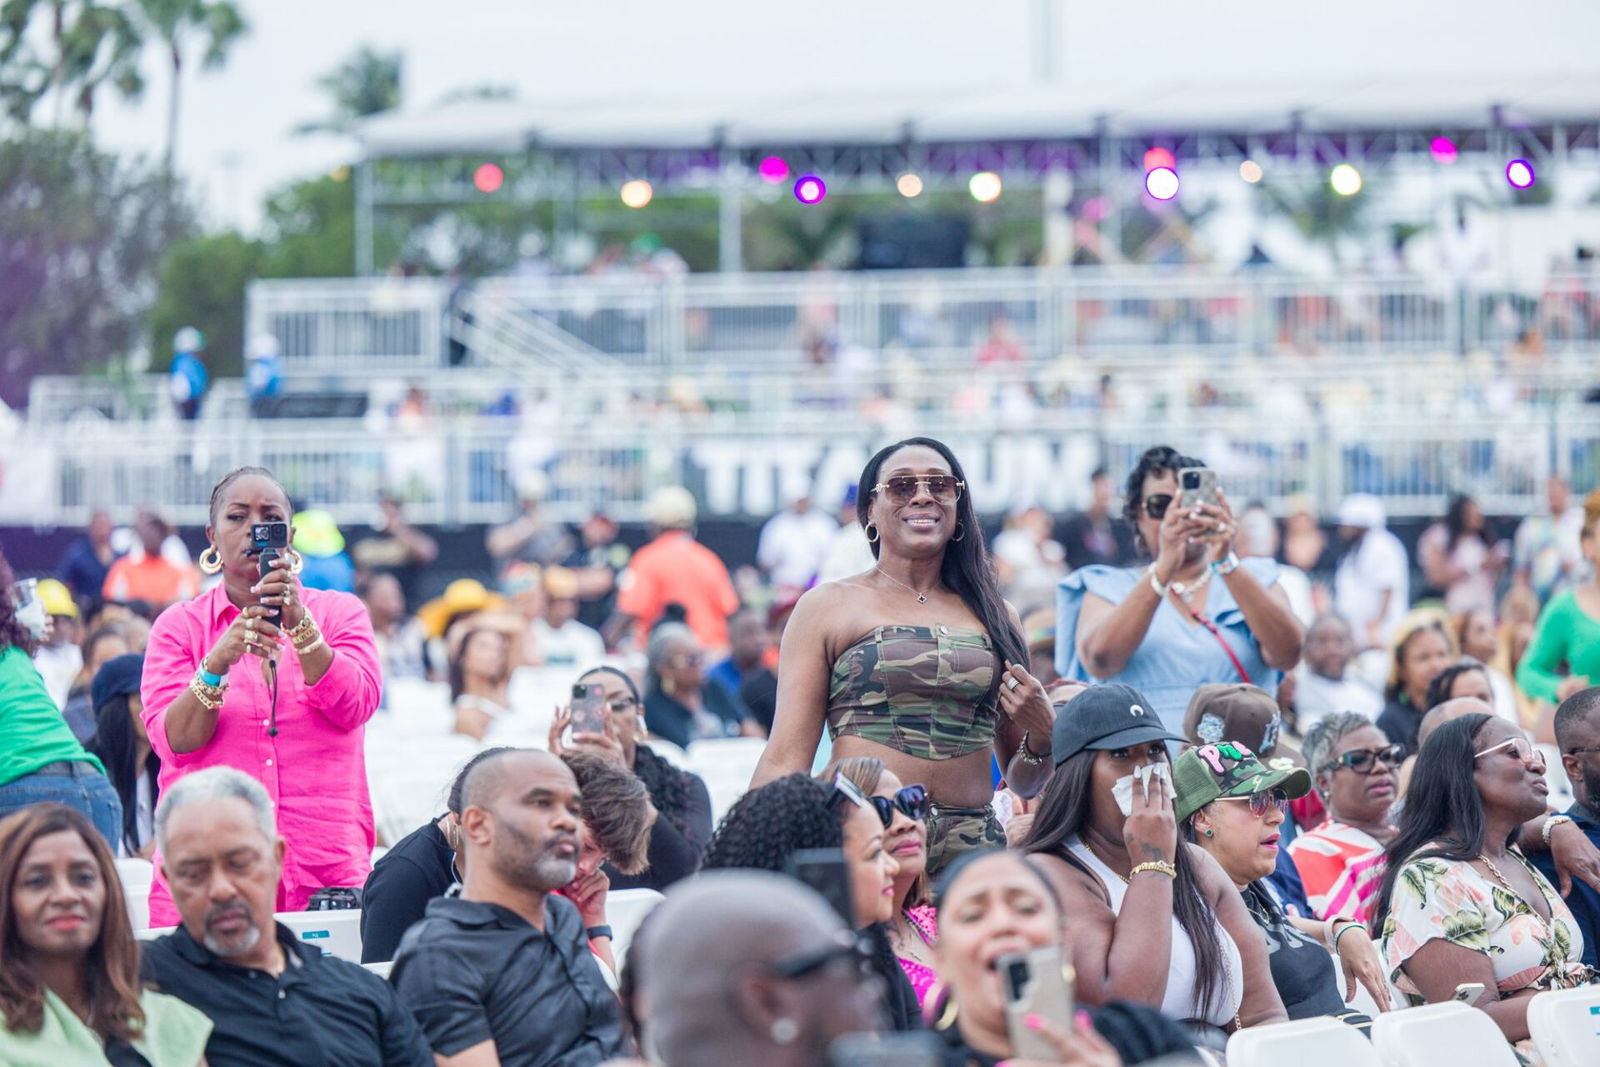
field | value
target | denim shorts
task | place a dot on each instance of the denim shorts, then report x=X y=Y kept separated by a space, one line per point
x=78 y=785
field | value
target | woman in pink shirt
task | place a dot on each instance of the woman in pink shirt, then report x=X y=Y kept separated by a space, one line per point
x=208 y=696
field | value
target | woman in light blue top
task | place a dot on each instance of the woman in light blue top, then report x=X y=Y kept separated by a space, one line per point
x=69 y=964
x=1197 y=614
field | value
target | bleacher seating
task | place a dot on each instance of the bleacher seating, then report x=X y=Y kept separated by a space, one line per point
x=1565 y=1024
x=1434 y=1034
x=625 y=910
x=1317 y=1042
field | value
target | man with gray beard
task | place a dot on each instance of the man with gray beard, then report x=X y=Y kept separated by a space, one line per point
x=502 y=976
x=273 y=1000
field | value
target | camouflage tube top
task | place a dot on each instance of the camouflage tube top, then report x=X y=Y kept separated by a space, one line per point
x=926 y=691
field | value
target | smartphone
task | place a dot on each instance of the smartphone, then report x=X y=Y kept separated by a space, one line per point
x=29 y=608
x=1035 y=983
x=588 y=708
x=1197 y=485
x=1469 y=993
x=920 y=1049
x=823 y=869
x=267 y=542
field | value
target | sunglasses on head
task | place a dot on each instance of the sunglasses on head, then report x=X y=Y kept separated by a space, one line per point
x=1519 y=749
x=1156 y=505
x=1365 y=760
x=902 y=488
x=846 y=791
x=1262 y=799
x=912 y=800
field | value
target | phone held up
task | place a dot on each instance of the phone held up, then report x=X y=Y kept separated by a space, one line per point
x=823 y=869
x=268 y=541
x=588 y=708
x=1035 y=983
x=1198 y=485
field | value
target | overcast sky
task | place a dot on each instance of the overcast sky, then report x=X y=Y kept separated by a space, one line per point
x=235 y=142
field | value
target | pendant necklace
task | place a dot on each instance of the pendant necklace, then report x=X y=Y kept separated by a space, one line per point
x=922 y=598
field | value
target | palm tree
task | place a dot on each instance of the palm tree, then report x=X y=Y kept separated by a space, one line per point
x=65 y=49
x=365 y=84
x=217 y=24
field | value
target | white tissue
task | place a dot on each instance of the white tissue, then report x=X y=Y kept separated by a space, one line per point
x=1122 y=791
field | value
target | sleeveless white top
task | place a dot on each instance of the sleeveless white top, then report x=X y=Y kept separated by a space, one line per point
x=1180 y=1001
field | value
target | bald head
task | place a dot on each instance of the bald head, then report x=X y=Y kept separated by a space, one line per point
x=724 y=924
x=509 y=770
x=1450 y=709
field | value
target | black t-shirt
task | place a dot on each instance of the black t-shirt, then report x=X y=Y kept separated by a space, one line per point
x=472 y=972
x=322 y=1011
x=410 y=874
x=1301 y=967
x=1087 y=542
x=1400 y=722
x=681 y=831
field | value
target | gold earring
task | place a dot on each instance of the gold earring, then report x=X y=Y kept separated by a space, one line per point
x=296 y=562
x=872 y=533
x=211 y=560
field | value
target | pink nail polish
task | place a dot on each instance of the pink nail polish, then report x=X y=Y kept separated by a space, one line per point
x=1033 y=1022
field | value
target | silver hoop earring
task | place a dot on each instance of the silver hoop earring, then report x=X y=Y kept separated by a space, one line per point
x=961 y=531
x=872 y=533
x=784 y=1031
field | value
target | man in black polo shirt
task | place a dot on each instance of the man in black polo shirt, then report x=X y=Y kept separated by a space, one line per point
x=503 y=974
x=273 y=1000
x=1577 y=726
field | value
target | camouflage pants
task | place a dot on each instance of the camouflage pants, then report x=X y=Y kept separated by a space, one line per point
x=952 y=831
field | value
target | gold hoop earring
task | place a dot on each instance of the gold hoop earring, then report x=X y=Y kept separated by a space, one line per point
x=297 y=562
x=872 y=533
x=210 y=560
x=961 y=531
x=947 y=1018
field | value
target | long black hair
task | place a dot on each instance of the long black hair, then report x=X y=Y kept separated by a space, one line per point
x=1439 y=689
x=1162 y=459
x=1442 y=805
x=12 y=633
x=1063 y=814
x=967 y=569
x=671 y=790
x=113 y=743
x=1455 y=521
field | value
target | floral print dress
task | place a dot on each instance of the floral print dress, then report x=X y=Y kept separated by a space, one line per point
x=1436 y=898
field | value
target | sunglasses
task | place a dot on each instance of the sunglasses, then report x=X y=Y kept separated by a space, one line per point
x=805 y=964
x=1156 y=505
x=1262 y=799
x=1519 y=749
x=902 y=488
x=1365 y=760
x=911 y=800
x=845 y=791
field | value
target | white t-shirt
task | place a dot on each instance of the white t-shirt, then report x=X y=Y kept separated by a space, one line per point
x=572 y=645
x=1376 y=565
x=848 y=553
x=792 y=546
x=1316 y=697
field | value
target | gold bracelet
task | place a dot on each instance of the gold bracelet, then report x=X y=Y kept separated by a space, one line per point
x=1160 y=866
x=209 y=696
x=306 y=650
x=304 y=630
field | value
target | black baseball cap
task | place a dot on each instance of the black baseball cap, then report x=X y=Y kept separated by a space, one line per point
x=1105 y=717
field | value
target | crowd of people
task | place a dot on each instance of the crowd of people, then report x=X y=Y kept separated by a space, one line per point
x=1221 y=772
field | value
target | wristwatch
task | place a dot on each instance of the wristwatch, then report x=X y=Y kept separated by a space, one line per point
x=1550 y=824
x=596 y=932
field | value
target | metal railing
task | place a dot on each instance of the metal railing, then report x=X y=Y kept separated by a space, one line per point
x=469 y=470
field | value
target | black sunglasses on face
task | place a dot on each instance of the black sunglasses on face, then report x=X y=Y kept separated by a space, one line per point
x=1156 y=505
x=805 y=964
x=912 y=800
x=1365 y=760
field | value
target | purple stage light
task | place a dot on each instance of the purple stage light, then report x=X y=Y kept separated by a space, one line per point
x=810 y=189
x=1519 y=172
x=1444 y=150
x=773 y=169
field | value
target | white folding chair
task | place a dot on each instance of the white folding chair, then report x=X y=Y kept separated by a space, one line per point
x=1434 y=1034
x=1565 y=1024
x=337 y=933
x=380 y=969
x=136 y=876
x=1318 y=1042
x=625 y=910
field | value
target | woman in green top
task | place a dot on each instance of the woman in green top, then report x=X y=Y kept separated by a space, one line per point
x=40 y=759
x=1568 y=630
x=69 y=964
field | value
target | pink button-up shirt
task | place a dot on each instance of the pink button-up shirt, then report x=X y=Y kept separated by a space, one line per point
x=315 y=769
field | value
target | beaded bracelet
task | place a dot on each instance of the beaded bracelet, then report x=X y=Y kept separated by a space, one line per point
x=1345 y=929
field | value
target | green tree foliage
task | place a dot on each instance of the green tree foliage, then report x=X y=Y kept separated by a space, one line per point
x=81 y=237
x=365 y=84
x=60 y=53
x=177 y=26
x=310 y=229
x=202 y=284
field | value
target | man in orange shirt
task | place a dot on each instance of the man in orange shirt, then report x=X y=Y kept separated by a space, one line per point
x=674 y=568
x=150 y=577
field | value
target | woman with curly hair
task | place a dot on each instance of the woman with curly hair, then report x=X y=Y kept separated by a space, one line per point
x=69 y=964
x=769 y=825
x=684 y=826
x=40 y=759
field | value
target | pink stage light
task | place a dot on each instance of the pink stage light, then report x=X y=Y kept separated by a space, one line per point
x=1519 y=172
x=810 y=189
x=1444 y=150
x=1158 y=157
x=488 y=178
x=773 y=169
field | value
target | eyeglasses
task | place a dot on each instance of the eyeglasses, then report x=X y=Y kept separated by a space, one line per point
x=622 y=705
x=912 y=800
x=1366 y=760
x=844 y=790
x=1156 y=505
x=1584 y=751
x=804 y=964
x=1262 y=799
x=1520 y=750
x=688 y=659
x=902 y=488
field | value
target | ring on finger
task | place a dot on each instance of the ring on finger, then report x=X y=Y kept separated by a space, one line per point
x=1012 y=683
x=250 y=624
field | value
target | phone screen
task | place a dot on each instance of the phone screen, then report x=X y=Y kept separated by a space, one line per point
x=823 y=869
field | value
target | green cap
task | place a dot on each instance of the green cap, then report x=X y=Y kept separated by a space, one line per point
x=1229 y=769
